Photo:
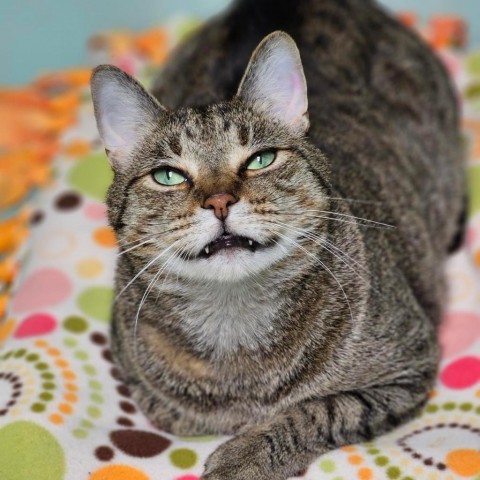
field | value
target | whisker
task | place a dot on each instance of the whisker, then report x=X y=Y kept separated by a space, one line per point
x=145 y=268
x=352 y=216
x=286 y=237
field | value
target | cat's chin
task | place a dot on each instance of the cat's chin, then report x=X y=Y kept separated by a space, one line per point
x=229 y=264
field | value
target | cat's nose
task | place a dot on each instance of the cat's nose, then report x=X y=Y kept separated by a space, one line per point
x=219 y=203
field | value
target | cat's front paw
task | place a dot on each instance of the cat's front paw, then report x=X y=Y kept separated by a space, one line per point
x=242 y=458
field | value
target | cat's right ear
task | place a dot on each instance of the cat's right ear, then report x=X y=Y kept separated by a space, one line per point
x=125 y=112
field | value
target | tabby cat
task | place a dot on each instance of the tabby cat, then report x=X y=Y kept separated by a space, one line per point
x=280 y=268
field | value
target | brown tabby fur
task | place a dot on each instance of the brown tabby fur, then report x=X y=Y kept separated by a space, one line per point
x=329 y=345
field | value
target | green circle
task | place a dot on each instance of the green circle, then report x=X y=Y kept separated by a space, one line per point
x=94 y=412
x=449 y=406
x=7 y=355
x=183 y=457
x=477 y=410
x=96 y=302
x=466 y=407
x=48 y=386
x=30 y=451
x=95 y=385
x=328 y=466
x=381 y=461
x=432 y=408
x=80 y=433
x=408 y=478
x=38 y=407
x=96 y=397
x=20 y=353
x=373 y=451
x=81 y=355
x=75 y=324
x=87 y=424
x=41 y=366
x=393 y=472
x=91 y=175
x=70 y=342
x=89 y=370
x=32 y=357
x=203 y=438
x=47 y=375
x=46 y=396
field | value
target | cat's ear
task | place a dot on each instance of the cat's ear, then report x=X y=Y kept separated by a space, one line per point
x=126 y=113
x=274 y=82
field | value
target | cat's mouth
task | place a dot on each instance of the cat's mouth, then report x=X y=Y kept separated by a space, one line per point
x=228 y=241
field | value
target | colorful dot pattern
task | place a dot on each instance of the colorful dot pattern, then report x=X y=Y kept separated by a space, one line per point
x=63 y=398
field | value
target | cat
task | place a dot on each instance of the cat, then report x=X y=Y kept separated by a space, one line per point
x=283 y=217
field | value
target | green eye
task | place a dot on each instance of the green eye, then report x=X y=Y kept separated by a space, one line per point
x=260 y=160
x=168 y=176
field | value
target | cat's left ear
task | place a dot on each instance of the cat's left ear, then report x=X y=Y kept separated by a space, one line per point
x=125 y=112
x=274 y=82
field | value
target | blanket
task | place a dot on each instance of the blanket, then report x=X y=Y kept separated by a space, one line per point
x=64 y=413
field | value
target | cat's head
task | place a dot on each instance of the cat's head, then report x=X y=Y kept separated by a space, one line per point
x=220 y=192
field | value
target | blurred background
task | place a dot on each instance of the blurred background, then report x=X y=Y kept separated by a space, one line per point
x=41 y=35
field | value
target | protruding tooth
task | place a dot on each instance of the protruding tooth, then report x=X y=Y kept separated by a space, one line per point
x=207 y=250
x=250 y=242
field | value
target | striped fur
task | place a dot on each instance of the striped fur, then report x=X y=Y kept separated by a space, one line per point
x=305 y=346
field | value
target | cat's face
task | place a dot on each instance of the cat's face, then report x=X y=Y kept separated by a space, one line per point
x=218 y=193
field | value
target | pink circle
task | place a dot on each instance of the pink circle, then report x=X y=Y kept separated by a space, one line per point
x=187 y=477
x=36 y=324
x=43 y=288
x=96 y=211
x=463 y=373
x=470 y=237
x=458 y=331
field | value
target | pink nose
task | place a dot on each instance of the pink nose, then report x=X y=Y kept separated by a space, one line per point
x=219 y=203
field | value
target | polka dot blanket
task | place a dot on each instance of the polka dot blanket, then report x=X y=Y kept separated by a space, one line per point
x=64 y=413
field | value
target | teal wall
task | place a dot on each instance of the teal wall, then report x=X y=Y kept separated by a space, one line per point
x=41 y=35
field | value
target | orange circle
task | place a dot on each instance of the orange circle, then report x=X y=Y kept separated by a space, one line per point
x=40 y=343
x=71 y=397
x=69 y=375
x=54 y=352
x=477 y=393
x=77 y=147
x=118 y=472
x=105 y=237
x=56 y=418
x=349 y=448
x=464 y=462
x=61 y=363
x=476 y=258
x=355 y=459
x=365 y=474
x=65 y=408
x=71 y=386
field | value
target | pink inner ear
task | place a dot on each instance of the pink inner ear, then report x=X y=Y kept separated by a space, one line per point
x=297 y=105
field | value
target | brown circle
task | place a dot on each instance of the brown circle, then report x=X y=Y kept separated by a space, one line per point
x=127 y=407
x=98 y=338
x=3 y=412
x=104 y=453
x=125 y=422
x=68 y=201
x=123 y=390
x=115 y=373
x=37 y=217
x=107 y=355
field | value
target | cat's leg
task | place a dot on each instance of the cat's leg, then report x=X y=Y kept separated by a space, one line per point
x=291 y=441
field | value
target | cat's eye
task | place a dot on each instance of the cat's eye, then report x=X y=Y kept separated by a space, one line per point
x=260 y=160
x=168 y=176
